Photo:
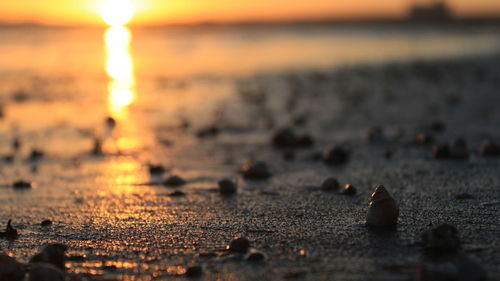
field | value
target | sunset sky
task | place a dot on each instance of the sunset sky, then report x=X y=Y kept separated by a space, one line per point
x=70 y=12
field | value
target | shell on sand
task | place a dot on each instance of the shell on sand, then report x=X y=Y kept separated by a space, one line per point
x=382 y=209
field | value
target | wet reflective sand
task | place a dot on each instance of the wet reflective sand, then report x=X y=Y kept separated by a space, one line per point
x=108 y=208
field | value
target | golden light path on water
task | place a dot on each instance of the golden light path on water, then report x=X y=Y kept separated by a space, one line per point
x=120 y=69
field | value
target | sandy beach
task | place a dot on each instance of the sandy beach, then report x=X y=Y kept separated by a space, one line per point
x=70 y=157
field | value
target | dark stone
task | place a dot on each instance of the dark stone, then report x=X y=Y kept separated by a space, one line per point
x=284 y=138
x=194 y=271
x=441 y=239
x=53 y=254
x=110 y=122
x=46 y=223
x=463 y=196
x=441 y=151
x=239 y=244
x=176 y=193
x=459 y=150
x=22 y=184
x=97 y=148
x=335 y=156
x=174 y=181
x=349 y=190
x=330 y=184
x=156 y=169
x=36 y=154
x=489 y=148
x=256 y=171
x=227 y=187
x=10 y=269
x=289 y=155
x=424 y=139
x=210 y=131
x=255 y=256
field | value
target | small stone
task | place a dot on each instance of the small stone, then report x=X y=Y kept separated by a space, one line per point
x=239 y=244
x=9 y=158
x=289 y=155
x=174 y=180
x=10 y=232
x=194 y=271
x=45 y=272
x=53 y=254
x=284 y=138
x=110 y=122
x=304 y=141
x=424 y=139
x=441 y=239
x=330 y=184
x=463 y=196
x=489 y=149
x=16 y=144
x=227 y=187
x=335 y=156
x=20 y=184
x=349 y=190
x=210 y=131
x=156 y=169
x=176 y=193
x=97 y=147
x=255 y=256
x=36 y=154
x=441 y=151
x=255 y=171
x=459 y=150
x=10 y=269
x=46 y=223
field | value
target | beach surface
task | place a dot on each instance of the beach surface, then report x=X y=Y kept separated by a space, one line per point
x=122 y=223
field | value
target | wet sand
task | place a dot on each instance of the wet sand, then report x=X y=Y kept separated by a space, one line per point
x=108 y=209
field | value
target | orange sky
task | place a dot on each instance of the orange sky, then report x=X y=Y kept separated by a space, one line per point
x=64 y=12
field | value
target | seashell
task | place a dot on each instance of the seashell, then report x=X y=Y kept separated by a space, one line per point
x=255 y=171
x=53 y=254
x=227 y=187
x=239 y=244
x=45 y=272
x=174 y=180
x=382 y=209
x=349 y=190
x=441 y=239
x=330 y=184
x=489 y=148
x=10 y=269
x=335 y=156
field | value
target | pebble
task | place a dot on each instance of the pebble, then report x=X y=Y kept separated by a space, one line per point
x=10 y=232
x=441 y=151
x=20 y=184
x=462 y=196
x=16 y=144
x=53 y=254
x=330 y=184
x=46 y=223
x=256 y=171
x=45 y=272
x=255 y=256
x=176 y=193
x=335 y=156
x=489 y=148
x=227 y=187
x=239 y=244
x=110 y=122
x=210 y=131
x=441 y=239
x=349 y=190
x=156 y=169
x=287 y=138
x=194 y=271
x=36 y=154
x=10 y=269
x=174 y=180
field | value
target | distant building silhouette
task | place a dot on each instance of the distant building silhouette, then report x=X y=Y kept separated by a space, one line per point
x=437 y=11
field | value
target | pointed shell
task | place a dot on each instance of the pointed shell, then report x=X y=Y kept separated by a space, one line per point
x=382 y=209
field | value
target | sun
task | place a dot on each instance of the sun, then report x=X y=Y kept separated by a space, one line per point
x=117 y=12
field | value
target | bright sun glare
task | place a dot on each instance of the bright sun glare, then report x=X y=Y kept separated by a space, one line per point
x=117 y=12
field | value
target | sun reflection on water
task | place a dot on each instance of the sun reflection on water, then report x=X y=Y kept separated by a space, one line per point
x=120 y=69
